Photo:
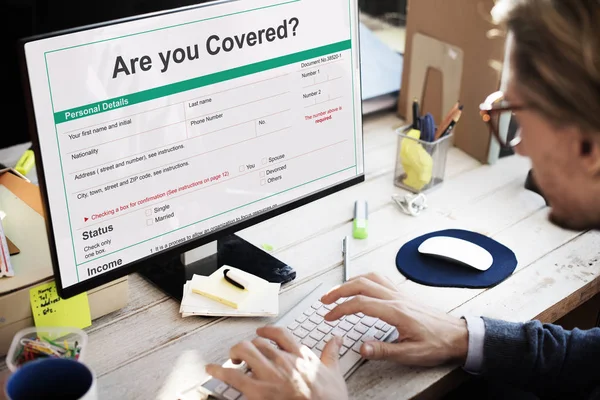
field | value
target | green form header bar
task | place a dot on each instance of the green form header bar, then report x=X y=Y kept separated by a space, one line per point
x=195 y=83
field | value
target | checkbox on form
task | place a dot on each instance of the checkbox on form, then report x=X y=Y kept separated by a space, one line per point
x=149 y=221
x=262 y=182
x=262 y=174
x=242 y=168
x=264 y=161
x=148 y=212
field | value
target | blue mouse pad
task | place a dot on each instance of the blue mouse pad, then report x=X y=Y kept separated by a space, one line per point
x=431 y=271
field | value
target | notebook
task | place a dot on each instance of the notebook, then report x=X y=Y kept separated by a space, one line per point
x=214 y=296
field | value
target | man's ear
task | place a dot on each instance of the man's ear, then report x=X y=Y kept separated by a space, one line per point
x=589 y=153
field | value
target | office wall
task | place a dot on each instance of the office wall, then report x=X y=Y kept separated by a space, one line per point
x=464 y=24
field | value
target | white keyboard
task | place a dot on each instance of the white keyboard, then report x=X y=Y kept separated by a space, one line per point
x=305 y=321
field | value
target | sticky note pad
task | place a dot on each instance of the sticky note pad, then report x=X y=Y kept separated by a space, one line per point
x=217 y=288
x=49 y=309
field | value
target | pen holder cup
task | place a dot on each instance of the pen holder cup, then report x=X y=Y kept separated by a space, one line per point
x=420 y=165
x=33 y=343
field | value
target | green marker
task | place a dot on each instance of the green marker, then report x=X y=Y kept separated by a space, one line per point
x=359 y=226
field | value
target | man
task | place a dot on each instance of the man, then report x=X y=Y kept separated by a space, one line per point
x=554 y=93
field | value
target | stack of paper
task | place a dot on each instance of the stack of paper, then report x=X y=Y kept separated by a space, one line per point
x=214 y=296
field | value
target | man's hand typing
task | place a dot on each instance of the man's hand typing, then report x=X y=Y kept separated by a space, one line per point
x=427 y=337
x=291 y=371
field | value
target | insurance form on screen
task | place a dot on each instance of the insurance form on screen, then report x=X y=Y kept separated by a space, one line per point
x=156 y=131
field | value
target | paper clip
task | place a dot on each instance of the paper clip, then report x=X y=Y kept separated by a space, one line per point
x=411 y=204
x=32 y=349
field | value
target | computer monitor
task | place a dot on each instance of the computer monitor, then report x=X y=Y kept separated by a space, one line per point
x=161 y=133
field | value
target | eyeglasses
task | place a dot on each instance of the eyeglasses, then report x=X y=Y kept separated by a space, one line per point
x=497 y=113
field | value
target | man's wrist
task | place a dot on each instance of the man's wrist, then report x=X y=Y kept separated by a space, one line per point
x=460 y=342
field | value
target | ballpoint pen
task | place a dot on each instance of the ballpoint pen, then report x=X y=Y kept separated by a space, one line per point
x=346 y=259
x=415 y=110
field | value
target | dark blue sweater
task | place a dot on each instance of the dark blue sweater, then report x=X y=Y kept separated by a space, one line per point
x=544 y=359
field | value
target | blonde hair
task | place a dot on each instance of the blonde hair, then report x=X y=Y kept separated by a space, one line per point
x=555 y=57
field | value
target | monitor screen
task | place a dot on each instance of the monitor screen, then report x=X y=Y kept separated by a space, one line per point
x=157 y=133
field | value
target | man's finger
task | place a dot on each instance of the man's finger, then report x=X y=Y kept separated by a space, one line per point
x=331 y=352
x=382 y=309
x=233 y=377
x=254 y=359
x=278 y=357
x=282 y=337
x=359 y=286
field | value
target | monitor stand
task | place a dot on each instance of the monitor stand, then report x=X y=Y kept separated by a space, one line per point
x=169 y=275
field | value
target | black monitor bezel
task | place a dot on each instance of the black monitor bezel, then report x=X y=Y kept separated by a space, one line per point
x=134 y=266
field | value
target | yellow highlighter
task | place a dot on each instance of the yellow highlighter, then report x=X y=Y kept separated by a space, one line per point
x=26 y=162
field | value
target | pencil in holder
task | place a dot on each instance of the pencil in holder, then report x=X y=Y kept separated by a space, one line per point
x=420 y=165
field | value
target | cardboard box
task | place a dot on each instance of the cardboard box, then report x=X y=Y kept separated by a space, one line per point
x=464 y=24
x=24 y=224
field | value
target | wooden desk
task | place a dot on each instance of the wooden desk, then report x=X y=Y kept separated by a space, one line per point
x=147 y=350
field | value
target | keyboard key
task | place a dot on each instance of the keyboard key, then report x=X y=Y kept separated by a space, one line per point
x=323 y=327
x=327 y=338
x=333 y=323
x=348 y=342
x=368 y=321
x=330 y=306
x=320 y=345
x=340 y=300
x=354 y=335
x=379 y=335
x=360 y=315
x=221 y=388
x=293 y=326
x=315 y=319
x=362 y=329
x=322 y=311
x=349 y=360
x=370 y=335
x=386 y=327
x=353 y=319
x=317 y=335
x=343 y=350
x=345 y=326
x=338 y=332
x=309 y=312
x=309 y=342
x=301 y=318
x=309 y=326
x=317 y=305
x=357 y=347
x=379 y=324
x=317 y=352
x=231 y=394
x=301 y=332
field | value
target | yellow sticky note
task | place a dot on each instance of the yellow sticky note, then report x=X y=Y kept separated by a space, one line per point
x=49 y=309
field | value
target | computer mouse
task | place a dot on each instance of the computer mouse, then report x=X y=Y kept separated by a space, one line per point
x=458 y=251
